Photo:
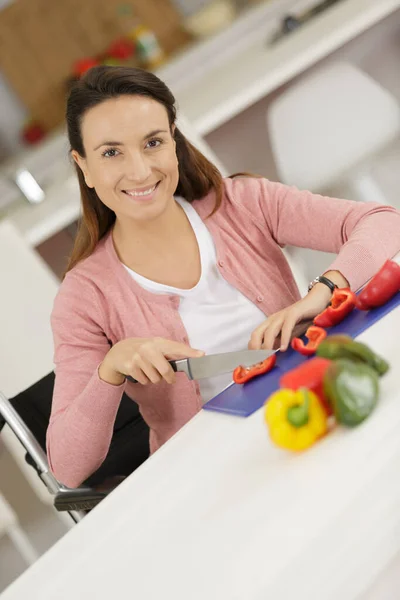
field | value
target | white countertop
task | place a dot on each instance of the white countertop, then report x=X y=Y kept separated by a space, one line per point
x=256 y=71
x=60 y=208
x=220 y=513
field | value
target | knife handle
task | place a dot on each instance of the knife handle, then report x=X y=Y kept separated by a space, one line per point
x=173 y=364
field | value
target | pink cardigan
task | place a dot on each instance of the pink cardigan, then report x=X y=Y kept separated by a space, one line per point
x=99 y=304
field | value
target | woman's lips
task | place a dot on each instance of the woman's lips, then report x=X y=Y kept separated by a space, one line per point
x=142 y=195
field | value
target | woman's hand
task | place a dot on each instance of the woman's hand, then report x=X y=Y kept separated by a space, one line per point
x=286 y=322
x=144 y=359
x=289 y=322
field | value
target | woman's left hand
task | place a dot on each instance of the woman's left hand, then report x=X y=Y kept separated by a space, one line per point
x=283 y=323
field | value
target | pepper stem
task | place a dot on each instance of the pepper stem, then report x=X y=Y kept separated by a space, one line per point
x=297 y=415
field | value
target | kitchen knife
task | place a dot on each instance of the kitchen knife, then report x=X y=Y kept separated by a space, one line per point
x=216 y=364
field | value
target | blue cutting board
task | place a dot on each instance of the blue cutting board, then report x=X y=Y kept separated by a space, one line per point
x=243 y=400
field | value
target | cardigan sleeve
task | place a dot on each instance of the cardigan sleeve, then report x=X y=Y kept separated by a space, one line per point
x=363 y=235
x=84 y=407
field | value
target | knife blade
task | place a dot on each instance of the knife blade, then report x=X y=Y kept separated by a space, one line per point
x=211 y=365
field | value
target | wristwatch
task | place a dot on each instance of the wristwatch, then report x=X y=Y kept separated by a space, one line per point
x=321 y=279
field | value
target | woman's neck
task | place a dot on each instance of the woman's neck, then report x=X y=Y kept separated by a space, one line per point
x=136 y=243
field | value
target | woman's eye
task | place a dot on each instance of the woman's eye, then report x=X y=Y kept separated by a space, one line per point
x=154 y=143
x=110 y=152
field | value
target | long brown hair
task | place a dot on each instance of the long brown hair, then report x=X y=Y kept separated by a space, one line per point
x=197 y=175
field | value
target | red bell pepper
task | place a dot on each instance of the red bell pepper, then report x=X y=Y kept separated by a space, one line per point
x=122 y=49
x=315 y=335
x=243 y=374
x=383 y=285
x=310 y=375
x=342 y=303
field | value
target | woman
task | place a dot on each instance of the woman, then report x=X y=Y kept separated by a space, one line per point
x=173 y=261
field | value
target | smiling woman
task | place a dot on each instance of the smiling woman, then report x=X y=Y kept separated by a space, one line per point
x=136 y=176
x=135 y=108
x=172 y=261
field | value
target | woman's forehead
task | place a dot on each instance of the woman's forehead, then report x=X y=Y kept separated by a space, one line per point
x=132 y=115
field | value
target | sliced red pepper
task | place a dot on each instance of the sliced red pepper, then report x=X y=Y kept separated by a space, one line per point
x=315 y=335
x=383 y=286
x=310 y=375
x=342 y=303
x=243 y=374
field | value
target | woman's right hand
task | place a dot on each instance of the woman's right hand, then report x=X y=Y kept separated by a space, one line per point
x=144 y=359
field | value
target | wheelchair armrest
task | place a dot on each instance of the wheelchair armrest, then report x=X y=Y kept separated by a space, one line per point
x=65 y=499
x=38 y=458
x=78 y=499
x=25 y=436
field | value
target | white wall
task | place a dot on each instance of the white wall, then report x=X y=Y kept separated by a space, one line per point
x=12 y=117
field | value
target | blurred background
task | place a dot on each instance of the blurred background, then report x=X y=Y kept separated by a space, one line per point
x=306 y=92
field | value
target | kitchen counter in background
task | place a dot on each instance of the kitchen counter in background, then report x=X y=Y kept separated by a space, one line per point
x=61 y=208
x=250 y=70
x=257 y=69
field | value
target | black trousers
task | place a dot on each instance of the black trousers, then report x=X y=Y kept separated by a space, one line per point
x=129 y=445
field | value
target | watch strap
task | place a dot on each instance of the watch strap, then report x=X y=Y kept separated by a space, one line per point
x=322 y=279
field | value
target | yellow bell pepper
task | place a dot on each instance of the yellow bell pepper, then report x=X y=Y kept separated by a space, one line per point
x=295 y=418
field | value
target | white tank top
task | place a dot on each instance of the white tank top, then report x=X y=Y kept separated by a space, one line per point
x=217 y=317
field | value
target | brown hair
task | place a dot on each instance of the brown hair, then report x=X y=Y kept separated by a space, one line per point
x=197 y=175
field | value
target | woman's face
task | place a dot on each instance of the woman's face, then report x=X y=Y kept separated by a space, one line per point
x=130 y=156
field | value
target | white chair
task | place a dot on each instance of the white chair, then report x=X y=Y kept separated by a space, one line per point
x=327 y=128
x=26 y=344
x=26 y=358
x=9 y=525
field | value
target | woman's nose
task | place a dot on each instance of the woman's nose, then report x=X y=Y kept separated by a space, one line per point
x=138 y=168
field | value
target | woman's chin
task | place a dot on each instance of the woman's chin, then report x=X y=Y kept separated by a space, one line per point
x=146 y=211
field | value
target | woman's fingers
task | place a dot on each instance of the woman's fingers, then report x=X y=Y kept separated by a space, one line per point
x=147 y=359
x=176 y=350
x=150 y=363
x=256 y=338
x=147 y=368
x=275 y=332
x=287 y=330
x=161 y=365
x=136 y=372
x=272 y=331
x=265 y=334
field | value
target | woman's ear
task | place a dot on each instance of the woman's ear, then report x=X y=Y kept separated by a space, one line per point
x=81 y=162
x=173 y=130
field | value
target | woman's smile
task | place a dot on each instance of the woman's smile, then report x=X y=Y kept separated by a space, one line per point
x=144 y=194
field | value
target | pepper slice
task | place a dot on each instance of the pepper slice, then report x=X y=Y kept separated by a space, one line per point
x=342 y=303
x=353 y=390
x=243 y=374
x=383 y=286
x=295 y=419
x=315 y=335
x=310 y=375
x=335 y=347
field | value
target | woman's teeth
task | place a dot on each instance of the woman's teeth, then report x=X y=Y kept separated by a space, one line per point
x=145 y=193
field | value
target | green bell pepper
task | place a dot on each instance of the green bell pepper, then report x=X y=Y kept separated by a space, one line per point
x=339 y=347
x=352 y=389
